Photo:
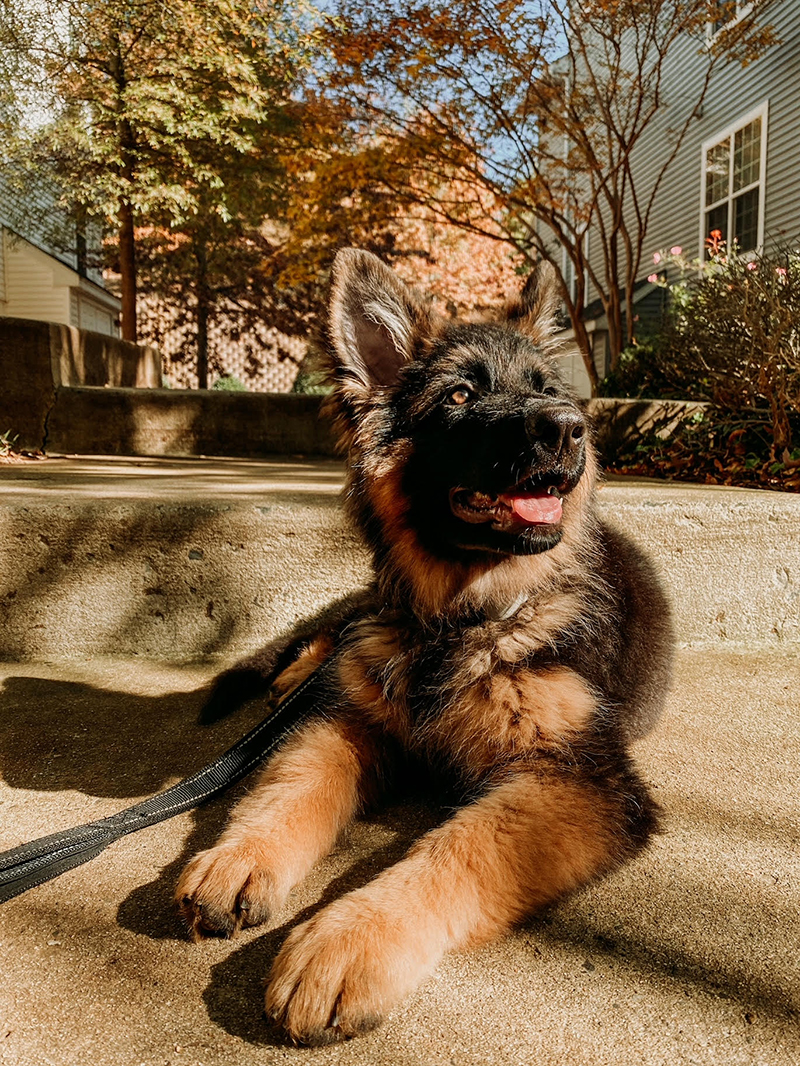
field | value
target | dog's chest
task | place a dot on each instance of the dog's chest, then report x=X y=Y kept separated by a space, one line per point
x=469 y=697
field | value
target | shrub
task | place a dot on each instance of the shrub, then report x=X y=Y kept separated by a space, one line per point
x=8 y=443
x=731 y=336
x=639 y=373
x=740 y=324
x=229 y=383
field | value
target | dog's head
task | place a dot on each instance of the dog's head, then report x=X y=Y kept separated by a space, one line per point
x=465 y=446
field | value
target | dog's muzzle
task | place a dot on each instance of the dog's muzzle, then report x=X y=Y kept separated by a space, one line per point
x=557 y=432
x=556 y=435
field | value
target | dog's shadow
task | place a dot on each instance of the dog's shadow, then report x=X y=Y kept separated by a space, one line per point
x=109 y=744
x=234 y=997
x=149 y=910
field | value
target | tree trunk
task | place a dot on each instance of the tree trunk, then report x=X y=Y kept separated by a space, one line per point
x=127 y=272
x=585 y=346
x=613 y=309
x=630 y=310
x=127 y=242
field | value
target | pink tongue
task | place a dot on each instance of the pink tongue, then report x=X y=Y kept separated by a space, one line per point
x=537 y=507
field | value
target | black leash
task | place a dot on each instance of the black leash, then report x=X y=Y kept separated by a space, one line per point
x=41 y=860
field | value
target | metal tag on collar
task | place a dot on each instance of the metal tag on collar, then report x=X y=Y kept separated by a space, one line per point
x=499 y=613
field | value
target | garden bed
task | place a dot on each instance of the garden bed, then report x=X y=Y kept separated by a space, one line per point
x=711 y=447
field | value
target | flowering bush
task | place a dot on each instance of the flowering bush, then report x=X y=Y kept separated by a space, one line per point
x=734 y=326
x=731 y=336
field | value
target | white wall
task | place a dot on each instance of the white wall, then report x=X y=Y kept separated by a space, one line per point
x=37 y=286
x=571 y=366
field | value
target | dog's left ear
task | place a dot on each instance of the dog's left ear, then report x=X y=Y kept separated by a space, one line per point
x=534 y=311
x=375 y=318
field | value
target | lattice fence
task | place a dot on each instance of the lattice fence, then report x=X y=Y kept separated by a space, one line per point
x=263 y=359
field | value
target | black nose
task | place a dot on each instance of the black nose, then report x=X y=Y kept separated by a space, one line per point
x=556 y=429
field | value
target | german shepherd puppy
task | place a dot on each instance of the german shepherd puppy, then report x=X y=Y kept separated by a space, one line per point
x=512 y=645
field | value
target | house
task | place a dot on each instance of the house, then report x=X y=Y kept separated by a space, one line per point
x=41 y=282
x=737 y=170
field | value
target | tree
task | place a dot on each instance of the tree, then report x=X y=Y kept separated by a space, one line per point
x=536 y=109
x=154 y=106
x=210 y=262
x=344 y=188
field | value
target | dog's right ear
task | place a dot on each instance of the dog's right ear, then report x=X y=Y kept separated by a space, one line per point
x=375 y=320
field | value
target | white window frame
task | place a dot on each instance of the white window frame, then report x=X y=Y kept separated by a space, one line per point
x=762 y=112
x=742 y=10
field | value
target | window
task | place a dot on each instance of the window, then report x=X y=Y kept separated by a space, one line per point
x=725 y=13
x=733 y=183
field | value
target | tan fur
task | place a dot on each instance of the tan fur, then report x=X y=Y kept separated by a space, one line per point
x=510 y=716
x=528 y=842
x=365 y=674
x=313 y=655
x=493 y=714
x=298 y=806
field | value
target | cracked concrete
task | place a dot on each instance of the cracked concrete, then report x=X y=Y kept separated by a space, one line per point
x=41 y=361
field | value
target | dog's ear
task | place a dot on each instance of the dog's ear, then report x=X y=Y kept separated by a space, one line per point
x=375 y=318
x=534 y=311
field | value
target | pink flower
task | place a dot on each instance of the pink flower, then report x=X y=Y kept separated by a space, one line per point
x=780 y=271
x=675 y=250
x=652 y=278
x=657 y=258
x=752 y=266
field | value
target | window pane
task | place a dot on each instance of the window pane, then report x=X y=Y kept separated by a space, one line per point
x=717 y=220
x=745 y=220
x=722 y=9
x=717 y=165
x=747 y=155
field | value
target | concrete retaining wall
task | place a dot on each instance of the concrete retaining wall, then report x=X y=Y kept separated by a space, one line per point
x=617 y=421
x=39 y=358
x=180 y=559
x=179 y=424
x=69 y=391
x=76 y=419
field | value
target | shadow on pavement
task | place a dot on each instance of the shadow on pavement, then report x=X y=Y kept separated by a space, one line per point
x=63 y=736
x=235 y=996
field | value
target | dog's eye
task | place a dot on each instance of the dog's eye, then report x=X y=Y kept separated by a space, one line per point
x=549 y=391
x=460 y=396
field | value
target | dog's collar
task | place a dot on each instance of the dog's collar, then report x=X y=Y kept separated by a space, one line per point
x=501 y=612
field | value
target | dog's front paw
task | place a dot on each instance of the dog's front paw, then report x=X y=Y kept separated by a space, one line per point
x=225 y=888
x=338 y=974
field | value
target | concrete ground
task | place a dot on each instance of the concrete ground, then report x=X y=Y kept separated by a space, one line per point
x=688 y=955
x=180 y=559
x=108 y=569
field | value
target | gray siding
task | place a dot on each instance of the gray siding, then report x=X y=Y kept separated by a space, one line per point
x=773 y=79
x=33 y=213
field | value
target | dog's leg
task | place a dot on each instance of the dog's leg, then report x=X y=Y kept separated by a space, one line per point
x=527 y=842
x=305 y=796
x=314 y=654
